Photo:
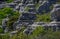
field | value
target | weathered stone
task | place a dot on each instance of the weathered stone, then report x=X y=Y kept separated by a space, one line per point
x=55 y=13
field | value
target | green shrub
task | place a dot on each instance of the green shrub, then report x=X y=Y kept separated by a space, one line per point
x=1 y=30
x=43 y=17
x=13 y=16
x=8 y=1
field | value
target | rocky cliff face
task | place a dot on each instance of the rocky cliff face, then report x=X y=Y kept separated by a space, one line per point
x=56 y=12
x=44 y=7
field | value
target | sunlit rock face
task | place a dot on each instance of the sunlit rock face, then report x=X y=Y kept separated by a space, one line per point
x=55 y=14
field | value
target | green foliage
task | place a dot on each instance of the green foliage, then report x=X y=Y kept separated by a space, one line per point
x=20 y=34
x=35 y=33
x=13 y=19
x=4 y=12
x=51 y=35
x=1 y=30
x=39 y=30
x=13 y=16
x=37 y=5
x=4 y=36
x=8 y=1
x=27 y=8
x=38 y=33
x=43 y=17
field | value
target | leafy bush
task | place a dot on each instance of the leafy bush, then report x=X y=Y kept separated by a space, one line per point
x=43 y=17
x=38 y=33
x=1 y=30
x=8 y=1
x=13 y=16
x=3 y=13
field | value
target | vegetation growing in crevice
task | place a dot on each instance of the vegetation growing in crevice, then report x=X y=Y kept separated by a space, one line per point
x=12 y=15
x=1 y=30
x=37 y=5
x=27 y=8
x=8 y=1
x=38 y=33
x=43 y=17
